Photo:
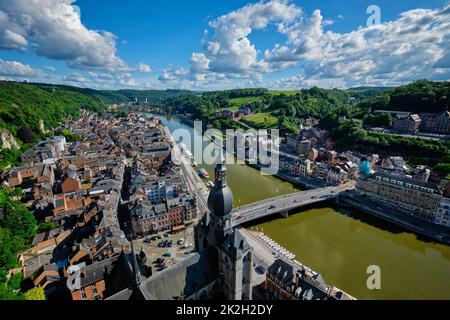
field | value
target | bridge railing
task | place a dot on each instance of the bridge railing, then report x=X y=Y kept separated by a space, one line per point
x=317 y=192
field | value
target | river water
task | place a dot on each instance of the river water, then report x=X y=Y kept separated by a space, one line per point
x=341 y=244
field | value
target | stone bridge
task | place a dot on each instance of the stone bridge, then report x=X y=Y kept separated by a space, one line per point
x=283 y=204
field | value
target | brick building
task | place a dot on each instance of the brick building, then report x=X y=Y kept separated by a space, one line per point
x=407 y=124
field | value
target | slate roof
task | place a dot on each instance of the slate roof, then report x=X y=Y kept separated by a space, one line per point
x=186 y=277
x=309 y=288
x=96 y=272
x=235 y=245
x=408 y=180
x=220 y=200
x=120 y=281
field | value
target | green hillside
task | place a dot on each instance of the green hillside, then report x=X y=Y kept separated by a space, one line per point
x=153 y=96
x=115 y=96
x=236 y=103
x=23 y=105
x=360 y=93
x=419 y=96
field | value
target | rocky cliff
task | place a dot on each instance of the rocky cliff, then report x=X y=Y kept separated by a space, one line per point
x=7 y=140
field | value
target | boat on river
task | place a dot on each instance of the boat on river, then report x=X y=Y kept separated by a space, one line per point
x=203 y=173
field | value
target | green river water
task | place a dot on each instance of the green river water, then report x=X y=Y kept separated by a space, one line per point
x=341 y=244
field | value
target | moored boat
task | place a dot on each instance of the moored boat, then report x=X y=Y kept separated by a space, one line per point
x=203 y=173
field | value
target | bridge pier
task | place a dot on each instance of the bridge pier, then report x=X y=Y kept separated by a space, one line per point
x=284 y=214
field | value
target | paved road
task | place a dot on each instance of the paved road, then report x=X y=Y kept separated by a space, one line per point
x=424 y=136
x=283 y=204
x=195 y=183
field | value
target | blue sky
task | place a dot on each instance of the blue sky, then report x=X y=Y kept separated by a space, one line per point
x=279 y=44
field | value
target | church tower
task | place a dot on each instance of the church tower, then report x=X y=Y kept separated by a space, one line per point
x=220 y=204
x=235 y=255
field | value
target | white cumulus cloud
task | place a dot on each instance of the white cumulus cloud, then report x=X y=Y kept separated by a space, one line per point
x=53 y=28
x=229 y=50
x=168 y=75
x=15 y=69
x=144 y=68
x=415 y=45
x=393 y=52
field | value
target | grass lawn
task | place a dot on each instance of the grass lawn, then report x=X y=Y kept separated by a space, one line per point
x=237 y=102
x=288 y=93
x=261 y=121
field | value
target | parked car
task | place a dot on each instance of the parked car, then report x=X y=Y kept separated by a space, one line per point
x=161 y=244
x=189 y=251
x=186 y=245
x=167 y=254
x=181 y=241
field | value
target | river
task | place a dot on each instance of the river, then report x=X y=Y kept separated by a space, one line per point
x=341 y=244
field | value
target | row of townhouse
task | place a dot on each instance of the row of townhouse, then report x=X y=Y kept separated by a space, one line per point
x=171 y=215
x=159 y=197
x=45 y=151
x=425 y=122
x=340 y=170
x=422 y=199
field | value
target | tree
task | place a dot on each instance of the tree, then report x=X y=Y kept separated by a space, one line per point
x=9 y=157
x=7 y=294
x=46 y=226
x=70 y=136
x=444 y=168
x=19 y=220
x=8 y=258
x=329 y=122
x=383 y=119
x=291 y=111
x=35 y=294
x=15 y=281
x=25 y=134
x=121 y=114
x=350 y=133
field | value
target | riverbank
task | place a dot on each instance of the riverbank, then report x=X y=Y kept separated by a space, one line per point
x=341 y=242
x=406 y=221
x=392 y=215
x=421 y=227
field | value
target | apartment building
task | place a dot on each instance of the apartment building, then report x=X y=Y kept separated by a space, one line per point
x=419 y=198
